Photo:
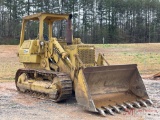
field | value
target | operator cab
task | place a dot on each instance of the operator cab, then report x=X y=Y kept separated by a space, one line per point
x=47 y=26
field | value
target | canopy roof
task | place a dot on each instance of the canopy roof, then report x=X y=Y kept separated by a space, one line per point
x=47 y=16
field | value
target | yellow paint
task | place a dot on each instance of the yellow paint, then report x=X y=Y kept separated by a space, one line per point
x=56 y=55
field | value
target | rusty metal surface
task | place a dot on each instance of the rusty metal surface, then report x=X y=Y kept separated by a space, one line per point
x=111 y=88
x=69 y=33
x=116 y=78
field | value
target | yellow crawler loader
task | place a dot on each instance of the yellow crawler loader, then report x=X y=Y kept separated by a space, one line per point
x=60 y=68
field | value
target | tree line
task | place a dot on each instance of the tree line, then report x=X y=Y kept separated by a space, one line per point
x=94 y=21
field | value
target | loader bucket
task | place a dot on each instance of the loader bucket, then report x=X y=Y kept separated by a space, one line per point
x=110 y=89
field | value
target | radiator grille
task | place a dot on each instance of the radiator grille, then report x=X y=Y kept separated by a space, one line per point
x=87 y=54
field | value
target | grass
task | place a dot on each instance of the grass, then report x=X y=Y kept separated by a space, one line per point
x=146 y=56
x=9 y=63
x=8 y=69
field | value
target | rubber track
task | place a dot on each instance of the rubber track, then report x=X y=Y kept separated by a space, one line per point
x=66 y=84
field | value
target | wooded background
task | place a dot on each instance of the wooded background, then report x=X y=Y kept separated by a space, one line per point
x=94 y=21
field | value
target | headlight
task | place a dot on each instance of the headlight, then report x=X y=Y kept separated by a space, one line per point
x=41 y=43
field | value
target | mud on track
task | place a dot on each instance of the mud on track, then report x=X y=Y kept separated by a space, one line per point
x=19 y=106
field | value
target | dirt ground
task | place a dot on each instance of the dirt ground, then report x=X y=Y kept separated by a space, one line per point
x=19 y=106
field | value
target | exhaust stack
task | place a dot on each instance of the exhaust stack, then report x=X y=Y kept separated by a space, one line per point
x=69 y=30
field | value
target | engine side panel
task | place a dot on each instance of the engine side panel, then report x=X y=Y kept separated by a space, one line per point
x=28 y=52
